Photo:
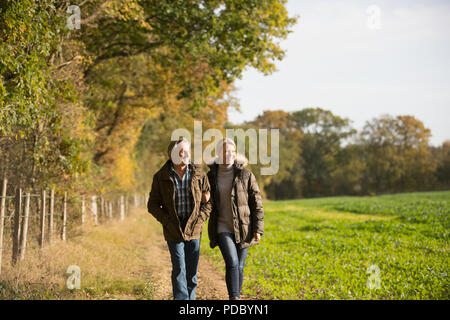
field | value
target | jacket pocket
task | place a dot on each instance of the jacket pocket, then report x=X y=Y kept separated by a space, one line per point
x=246 y=234
x=171 y=225
x=197 y=226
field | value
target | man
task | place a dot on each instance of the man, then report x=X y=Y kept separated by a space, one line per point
x=179 y=200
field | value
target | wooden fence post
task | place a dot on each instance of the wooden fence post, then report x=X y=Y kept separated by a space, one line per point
x=102 y=209
x=122 y=208
x=24 y=233
x=16 y=233
x=2 y=217
x=108 y=209
x=94 y=209
x=83 y=210
x=64 y=218
x=50 y=217
x=43 y=209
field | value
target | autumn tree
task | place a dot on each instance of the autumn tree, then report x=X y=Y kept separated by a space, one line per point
x=287 y=182
x=36 y=139
x=441 y=155
x=73 y=102
x=323 y=136
x=150 y=151
x=143 y=57
x=396 y=154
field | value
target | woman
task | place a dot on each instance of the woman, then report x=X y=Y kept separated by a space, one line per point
x=237 y=217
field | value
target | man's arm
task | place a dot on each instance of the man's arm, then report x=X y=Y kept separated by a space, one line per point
x=155 y=202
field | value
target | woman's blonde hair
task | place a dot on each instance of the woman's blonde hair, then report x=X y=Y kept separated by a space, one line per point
x=226 y=141
x=239 y=158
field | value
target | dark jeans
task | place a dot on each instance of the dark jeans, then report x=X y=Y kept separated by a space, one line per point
x=184 y=256
x=234 y=263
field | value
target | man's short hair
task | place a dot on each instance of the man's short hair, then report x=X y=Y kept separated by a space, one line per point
x=172 y=145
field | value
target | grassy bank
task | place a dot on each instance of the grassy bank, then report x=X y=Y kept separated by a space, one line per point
x=111 y=256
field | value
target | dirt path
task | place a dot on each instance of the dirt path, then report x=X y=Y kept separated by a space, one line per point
x=211 y=284
x=118 y=260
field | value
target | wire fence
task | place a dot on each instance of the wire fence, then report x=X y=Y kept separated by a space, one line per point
x=34 y=220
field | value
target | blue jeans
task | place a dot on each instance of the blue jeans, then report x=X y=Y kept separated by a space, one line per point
x=234 y=263
x=184 y=256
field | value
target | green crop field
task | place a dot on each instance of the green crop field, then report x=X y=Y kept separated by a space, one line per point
x=384 y=247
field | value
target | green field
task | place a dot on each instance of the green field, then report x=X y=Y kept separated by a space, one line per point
x=322 y=248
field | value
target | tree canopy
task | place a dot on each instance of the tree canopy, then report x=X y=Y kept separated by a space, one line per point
x=74 y=101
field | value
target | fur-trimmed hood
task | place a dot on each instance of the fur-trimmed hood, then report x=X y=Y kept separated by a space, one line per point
x=240 y=161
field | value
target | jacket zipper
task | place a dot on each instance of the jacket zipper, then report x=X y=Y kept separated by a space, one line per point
x=193 y=209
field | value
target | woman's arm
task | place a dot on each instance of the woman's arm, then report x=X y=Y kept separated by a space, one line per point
x=255 y=205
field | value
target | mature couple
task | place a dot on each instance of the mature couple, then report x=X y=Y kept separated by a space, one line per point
x=182 y=198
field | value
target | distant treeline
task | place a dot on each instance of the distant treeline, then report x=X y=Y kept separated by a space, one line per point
x=321 y=154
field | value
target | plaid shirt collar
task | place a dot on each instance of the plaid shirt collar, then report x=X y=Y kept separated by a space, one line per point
x=187 y=172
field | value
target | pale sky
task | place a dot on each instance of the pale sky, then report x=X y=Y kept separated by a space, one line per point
x=338 y=60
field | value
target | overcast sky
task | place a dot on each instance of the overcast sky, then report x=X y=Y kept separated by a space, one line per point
x=341 y=59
